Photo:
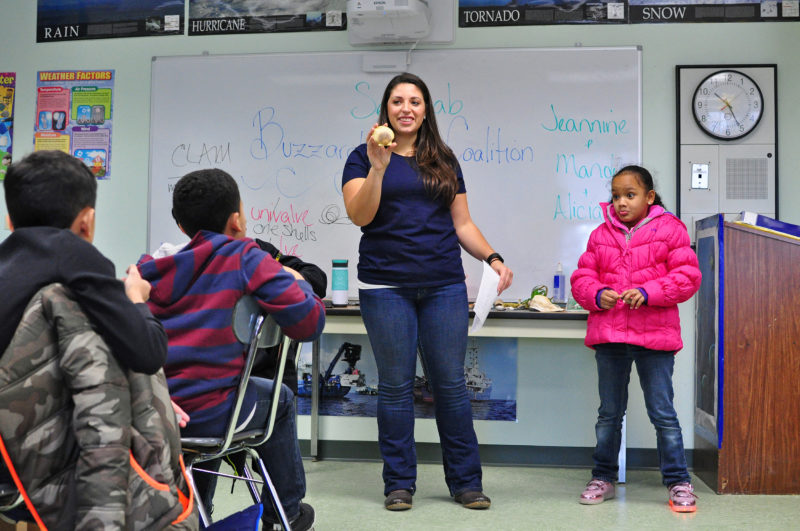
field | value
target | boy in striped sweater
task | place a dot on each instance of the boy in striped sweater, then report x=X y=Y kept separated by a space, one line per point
x=193 y=294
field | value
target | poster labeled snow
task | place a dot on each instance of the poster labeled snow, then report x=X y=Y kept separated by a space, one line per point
x=479 y=13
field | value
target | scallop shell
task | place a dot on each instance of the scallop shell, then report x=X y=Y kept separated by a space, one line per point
x=383 y=136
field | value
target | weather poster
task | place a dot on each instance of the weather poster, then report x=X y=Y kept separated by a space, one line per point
x=74 y=114
x=478 y=13
x=670 y=11
x=219 y=17
x=7 y=83
x=481 y=13
x=58 y=20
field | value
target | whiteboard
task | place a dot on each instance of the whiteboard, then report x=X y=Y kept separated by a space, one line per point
x=538 y=134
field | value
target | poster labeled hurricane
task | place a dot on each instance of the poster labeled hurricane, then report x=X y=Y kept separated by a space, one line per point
x=216 y=17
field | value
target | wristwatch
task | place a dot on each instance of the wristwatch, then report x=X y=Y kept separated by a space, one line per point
x=494 y=256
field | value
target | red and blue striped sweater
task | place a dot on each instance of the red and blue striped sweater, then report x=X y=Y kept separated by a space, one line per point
x=193 y=294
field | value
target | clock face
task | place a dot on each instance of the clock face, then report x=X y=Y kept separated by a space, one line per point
x=727 y=105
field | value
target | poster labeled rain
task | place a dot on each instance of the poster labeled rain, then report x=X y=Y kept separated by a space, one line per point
x=69 y=20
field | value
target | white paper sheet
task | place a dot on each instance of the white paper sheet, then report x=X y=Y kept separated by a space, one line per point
x=487 y=294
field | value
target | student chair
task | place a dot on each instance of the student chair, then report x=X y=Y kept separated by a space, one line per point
x=254 y=328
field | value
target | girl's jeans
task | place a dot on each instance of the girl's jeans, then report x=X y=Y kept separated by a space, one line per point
x=614 y=362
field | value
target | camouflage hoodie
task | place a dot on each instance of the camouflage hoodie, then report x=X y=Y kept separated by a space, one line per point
x=93 y=446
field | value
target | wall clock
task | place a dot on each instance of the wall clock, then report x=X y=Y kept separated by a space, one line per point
x=727 y=104
x=727 y=140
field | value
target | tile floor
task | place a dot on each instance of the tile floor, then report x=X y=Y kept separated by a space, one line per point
x=348 y=495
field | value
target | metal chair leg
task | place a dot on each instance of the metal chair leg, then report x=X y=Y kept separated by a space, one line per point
x=276 y=502
x=252 y=484
x=204 y=516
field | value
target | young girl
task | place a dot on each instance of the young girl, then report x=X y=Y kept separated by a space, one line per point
x=636 y=269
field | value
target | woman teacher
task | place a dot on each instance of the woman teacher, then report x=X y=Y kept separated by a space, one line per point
x=410 y=201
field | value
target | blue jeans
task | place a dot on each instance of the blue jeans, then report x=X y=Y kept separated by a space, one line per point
x=281 y=453
x=398 y=321
x=614 y=362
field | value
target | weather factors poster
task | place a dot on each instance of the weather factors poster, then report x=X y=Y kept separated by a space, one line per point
x=74 y=114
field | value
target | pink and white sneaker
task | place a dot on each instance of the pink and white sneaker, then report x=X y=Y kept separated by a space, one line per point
x=596 y=491
x=682 y=498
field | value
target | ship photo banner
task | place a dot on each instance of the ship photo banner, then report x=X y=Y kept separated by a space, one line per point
x=348 y=379
x=481 y=13
x=57 y=20
x=220 y=17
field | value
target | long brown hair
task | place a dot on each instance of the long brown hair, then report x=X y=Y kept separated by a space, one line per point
x=436 y=161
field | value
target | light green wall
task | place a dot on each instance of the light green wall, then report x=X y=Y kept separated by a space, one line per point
x=122 y=202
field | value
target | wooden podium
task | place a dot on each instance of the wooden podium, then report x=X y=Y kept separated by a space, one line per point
x=747 y=387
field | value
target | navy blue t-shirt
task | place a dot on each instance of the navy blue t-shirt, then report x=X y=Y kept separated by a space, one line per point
x=411 y=242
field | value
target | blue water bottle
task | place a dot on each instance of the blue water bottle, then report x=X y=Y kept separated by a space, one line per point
x=559 y=288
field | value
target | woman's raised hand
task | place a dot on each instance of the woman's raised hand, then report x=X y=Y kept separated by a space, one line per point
x=379 y=156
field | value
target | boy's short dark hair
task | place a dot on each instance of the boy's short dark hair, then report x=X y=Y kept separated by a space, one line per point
x=204 y=200
x=48 y=188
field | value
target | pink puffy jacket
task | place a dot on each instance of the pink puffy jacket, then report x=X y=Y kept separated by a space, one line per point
x=655 y=255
